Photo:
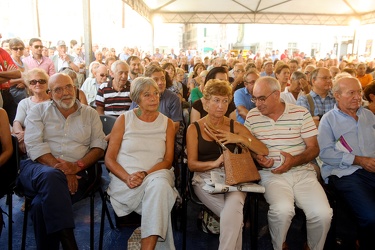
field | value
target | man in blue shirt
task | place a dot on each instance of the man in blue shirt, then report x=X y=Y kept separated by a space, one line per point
x=242 y=96
x=347 y=149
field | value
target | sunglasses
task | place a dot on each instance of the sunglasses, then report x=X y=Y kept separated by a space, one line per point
x=38 y=46
x=40 y=81
x=18 y=48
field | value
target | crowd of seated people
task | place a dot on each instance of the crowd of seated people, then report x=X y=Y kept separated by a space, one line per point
x=177 y=90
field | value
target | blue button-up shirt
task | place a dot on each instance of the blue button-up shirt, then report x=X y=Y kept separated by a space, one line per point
x=359 y=135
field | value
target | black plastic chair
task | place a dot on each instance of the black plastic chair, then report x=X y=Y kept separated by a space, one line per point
x=9 y=170
x=107 y=121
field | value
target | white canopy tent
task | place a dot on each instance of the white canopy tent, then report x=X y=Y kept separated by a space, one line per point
x=306 y=12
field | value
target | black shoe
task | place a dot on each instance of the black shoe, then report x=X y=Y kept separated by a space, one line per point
x=67 y=239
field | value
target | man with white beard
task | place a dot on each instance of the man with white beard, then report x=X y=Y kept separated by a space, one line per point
x=63 y=139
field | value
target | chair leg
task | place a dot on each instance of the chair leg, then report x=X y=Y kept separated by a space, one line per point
x=92 y=196
x=24 y=227
x=10 y=220
x=254 y=221
x=106 y=209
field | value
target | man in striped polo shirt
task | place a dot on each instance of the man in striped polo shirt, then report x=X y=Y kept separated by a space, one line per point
x=113 y=96
x=290 y=134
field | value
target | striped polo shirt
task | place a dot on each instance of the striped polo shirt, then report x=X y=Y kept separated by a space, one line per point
x=114 y=102
x=286 y=134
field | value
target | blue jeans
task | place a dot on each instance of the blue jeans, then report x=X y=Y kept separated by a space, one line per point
x=358 y=191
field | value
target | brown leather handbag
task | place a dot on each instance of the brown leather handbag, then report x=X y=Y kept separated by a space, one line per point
x=239 y=168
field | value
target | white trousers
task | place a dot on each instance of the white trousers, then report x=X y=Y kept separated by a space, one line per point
x=229 y=207
x=302 y=188
x=155 y=209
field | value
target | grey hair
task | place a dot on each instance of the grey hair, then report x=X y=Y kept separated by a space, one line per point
x=90 y=68
x=272 y=82
x=336 y=84
x=298 y=75
x=118 y=62
x=138 y=85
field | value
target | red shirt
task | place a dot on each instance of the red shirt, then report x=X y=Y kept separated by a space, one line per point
x=5 y=62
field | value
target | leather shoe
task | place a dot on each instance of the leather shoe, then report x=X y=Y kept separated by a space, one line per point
x=67 y=239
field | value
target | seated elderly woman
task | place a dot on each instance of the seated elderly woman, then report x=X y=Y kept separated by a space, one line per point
x=139 y=156
x=37 y=81
x=204 y=156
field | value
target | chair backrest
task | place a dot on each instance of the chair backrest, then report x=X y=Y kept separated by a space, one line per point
x=8 y=172
x=108 y=121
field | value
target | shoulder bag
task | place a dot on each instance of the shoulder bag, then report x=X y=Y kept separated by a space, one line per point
x=239 y=168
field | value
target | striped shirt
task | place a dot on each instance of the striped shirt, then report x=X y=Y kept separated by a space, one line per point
x=286 y=134
x=114 y=102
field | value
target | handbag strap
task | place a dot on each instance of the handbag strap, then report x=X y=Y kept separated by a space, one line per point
x=211 y=133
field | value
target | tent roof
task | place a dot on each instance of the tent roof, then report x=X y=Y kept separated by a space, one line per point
x=307 y=12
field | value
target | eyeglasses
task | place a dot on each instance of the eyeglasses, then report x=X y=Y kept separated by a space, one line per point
x=18 y=48
x=325 y=78
x=60 y=90
x=103 y=75
x=261 y=98
x=40 y=81
x=251 y=82
x=38 y=46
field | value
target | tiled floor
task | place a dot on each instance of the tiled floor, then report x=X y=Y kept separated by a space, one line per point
x=117 y=238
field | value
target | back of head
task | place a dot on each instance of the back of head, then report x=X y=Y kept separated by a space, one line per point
x=212 y=73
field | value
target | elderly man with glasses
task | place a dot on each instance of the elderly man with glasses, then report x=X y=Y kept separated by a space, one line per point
x=290 y=134
x=63 y=139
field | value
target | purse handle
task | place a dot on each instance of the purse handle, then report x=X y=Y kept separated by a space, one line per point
x=211 y=132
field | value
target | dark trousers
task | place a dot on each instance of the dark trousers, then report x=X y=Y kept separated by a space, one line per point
x=358 y=191
x=51 y=208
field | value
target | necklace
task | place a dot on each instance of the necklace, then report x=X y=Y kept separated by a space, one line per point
x=212 y=125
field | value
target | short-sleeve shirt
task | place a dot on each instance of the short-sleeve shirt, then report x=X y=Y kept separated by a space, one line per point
x=242 y=97
x=114 y=102
x=285 y=134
